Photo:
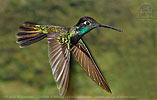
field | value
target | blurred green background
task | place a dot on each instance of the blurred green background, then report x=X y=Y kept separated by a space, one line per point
x=127 y=59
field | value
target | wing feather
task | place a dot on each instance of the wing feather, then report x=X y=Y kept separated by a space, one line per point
x=86 y=61
x=59 y=58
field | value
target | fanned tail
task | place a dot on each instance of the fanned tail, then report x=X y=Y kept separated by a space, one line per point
x=28 y=34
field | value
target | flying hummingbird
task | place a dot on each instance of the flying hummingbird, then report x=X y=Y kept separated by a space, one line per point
x=63 y=41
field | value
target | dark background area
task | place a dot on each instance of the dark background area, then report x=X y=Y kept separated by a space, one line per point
x=127 y=59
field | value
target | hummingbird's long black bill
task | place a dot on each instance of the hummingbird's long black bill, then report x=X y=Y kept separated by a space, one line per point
x=107 y=26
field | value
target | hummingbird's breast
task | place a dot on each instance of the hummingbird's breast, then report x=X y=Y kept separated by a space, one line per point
x=74 y=36
x=74 y=40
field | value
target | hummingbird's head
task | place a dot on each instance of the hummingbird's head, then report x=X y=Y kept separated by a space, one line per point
x=86 y=24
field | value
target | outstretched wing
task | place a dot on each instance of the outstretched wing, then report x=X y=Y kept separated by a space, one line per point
x=59 y=58
x=86 y=61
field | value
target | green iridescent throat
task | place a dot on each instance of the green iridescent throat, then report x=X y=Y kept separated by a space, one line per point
x=84 y=30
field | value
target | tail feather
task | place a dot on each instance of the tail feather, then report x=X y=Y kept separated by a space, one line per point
x=28 y=34
x=29 y=42
x=22 y=28
x=25 y=34
x=28 y=37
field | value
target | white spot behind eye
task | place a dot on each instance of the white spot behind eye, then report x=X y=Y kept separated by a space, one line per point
x=85 y=22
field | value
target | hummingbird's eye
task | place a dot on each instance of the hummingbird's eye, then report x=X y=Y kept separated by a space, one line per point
x=86 y=23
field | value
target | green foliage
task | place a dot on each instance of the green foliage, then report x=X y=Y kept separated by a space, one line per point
x=127 y=59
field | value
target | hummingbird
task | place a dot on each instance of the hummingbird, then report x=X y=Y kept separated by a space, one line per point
x=62 y=42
